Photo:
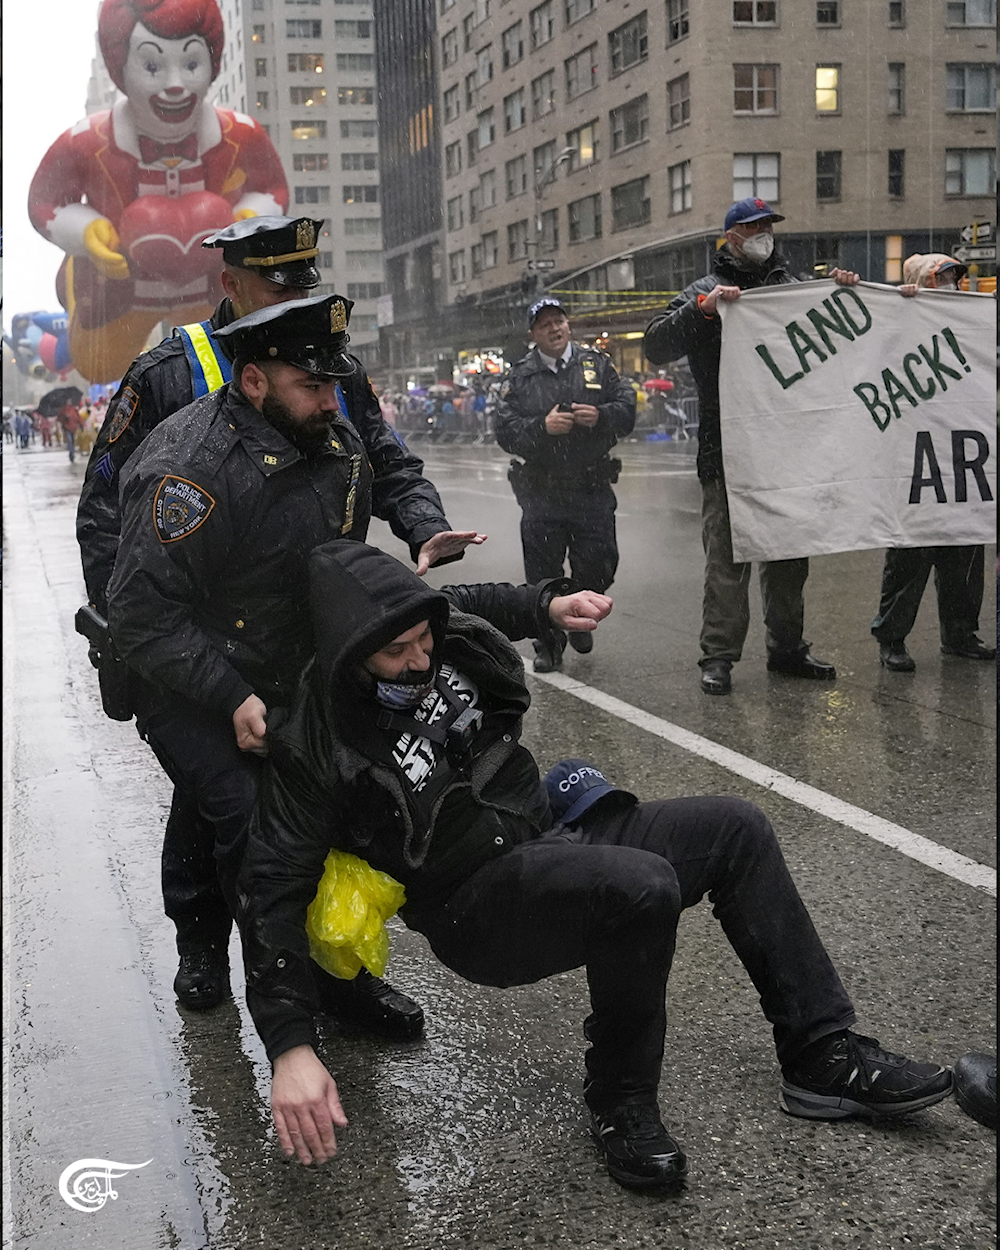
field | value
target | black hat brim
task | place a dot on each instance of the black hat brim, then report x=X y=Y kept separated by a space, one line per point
x=302 y=275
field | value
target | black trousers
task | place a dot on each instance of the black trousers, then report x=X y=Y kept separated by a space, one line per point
x=578 y=523
x=607 y=896
x=958 y=579
x=215 y=786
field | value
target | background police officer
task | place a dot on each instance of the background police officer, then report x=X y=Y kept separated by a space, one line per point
x=562 y=409
x=208 y=602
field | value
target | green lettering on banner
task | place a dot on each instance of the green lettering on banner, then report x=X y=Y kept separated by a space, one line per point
x=923 y=449
x=838 y=298
x=765 y=355
x=872 y=403
x=802 y=344
x=896 y=390
x=913 y=381
x=835 y=321
x=938 y=367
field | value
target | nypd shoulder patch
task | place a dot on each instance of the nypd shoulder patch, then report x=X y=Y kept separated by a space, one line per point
x=179 y=507
x=124 y=412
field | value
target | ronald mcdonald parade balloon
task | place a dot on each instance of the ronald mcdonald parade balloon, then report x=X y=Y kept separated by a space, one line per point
x=130 y=194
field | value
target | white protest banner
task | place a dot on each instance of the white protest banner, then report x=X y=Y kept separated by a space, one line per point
x=855 y=417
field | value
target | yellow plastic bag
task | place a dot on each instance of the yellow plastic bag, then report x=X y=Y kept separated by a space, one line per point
x=346 y=920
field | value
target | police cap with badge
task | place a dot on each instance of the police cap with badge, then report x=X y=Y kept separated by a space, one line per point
x=308 y=333
x=281 y=249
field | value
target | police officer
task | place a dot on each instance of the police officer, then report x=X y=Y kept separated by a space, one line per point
x=562 y=408
x=207 y=604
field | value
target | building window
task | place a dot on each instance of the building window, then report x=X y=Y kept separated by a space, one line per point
x=262 y=99
x=471 y=87
x=352 y=29
x=827 y=88
x=683 y=266
x=575 y=9
x=542 y=24
x=296 y=28
x=826 y=250
x=755 y=12
x=630 y=124
x=680 y=187
x=484 y=65
x=355 y=95
x=364 y=290
x=360 y=195
x=512 y=44
x=491 y=254
x=308 y=97
x=581 y=72
x=894 y=258
x=357 y=130
x=678 y=102
x=678 y=21
x=488 y=189
x=456 y=266
x=456 y=213
x=827 y=12
x=972 y=13
x=757 y=174
x=474 y=204
x=354 y=226
x=517 y=241
x=453 y=159
x=630 y=204
x=312 y=195
x=449 y=48
x=542 y=158
x=543 y=94
x=308 y=129
x=324 y=260
x=755 y=89
x=257 y=34
x=361 y=62
x=897 y=173
x=310 y=162
x=471 y=146
x=550 y=230
x=583 y=141
x=469 y=24
x=628 y=44
x=515 y=175
x=356 y=261
x=260 y=67
x=486 y=130
x=358 y=160
x=451 y=103
x=828 y=175
x=897 y=88
x=514 y=112
x=970 y=171
x=585 y=219
x=897 y=13
x=305 y=62
x=971 y=88
x=477 y=258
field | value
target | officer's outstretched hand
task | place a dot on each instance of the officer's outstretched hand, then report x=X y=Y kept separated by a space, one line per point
x=250 y=724
x=580 y=612
x=305 y=1106
x=445 y=545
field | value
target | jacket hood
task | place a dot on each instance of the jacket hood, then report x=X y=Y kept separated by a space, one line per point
x=361 y=599
x=922 y=269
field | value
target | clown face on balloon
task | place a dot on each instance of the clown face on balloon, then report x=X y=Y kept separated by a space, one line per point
x=130 y=194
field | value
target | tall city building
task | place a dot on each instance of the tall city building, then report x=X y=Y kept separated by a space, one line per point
x=593 y=146
x=305 y=70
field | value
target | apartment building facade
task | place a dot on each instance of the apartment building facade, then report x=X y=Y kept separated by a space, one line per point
x=593 y=146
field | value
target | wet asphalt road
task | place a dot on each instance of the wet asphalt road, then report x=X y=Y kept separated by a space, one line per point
x=475 y=1137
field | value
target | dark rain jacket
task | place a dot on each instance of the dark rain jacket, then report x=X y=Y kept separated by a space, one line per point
x=331 y=781
x=209 y=596
x=577 y=460
x=683 y=330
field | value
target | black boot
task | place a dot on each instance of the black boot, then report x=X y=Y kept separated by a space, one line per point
x=202 y=979
x=373 y=1002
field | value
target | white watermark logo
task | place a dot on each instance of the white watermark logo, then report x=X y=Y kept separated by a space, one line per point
x=86 y=1184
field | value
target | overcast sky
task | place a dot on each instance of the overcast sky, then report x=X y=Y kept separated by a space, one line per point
x=47 y=51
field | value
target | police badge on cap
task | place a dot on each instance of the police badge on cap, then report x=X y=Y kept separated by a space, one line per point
x=309 y=333
x=281 y=249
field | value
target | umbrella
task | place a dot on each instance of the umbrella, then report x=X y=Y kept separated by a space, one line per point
x=51 y=403
x=658 y=384
x=419 y=390
x=441 y=389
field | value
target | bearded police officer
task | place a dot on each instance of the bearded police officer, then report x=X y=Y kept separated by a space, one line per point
x=207 y=604
x=562 y=409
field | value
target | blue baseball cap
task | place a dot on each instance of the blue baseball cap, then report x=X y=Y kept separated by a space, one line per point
x=750 y=209
x=540 y=304
x=574 y=786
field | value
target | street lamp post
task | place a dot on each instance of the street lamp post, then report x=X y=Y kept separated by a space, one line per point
x=543 y=180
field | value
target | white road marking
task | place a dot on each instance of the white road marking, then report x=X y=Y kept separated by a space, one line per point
x=922 y=849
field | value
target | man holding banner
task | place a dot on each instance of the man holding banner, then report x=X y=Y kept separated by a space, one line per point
x=691 y=326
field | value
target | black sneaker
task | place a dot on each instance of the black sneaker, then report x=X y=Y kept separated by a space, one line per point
x=581 y=640
x=202 y=979
x=639 y=1151
x=976 y=1087
x=548 y=656
x=852 y=1075
x=372 y=1002
x=969 y=648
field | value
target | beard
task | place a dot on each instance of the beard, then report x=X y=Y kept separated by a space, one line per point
x=308 y=435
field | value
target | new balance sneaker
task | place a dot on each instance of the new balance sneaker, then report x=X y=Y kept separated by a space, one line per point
x=846 y=1075
x=202 y=979
x=638 y=1150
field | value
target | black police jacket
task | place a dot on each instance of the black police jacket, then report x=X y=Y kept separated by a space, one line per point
x=531 y=390
x=219 y=513
x=327 y=785
x=683 y=330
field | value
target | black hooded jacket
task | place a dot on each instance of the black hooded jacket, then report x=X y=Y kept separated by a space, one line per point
x=683 y=330
x=332 y=781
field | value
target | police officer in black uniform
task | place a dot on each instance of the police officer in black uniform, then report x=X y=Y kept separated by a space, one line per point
x=562 y=408
x=207 y=604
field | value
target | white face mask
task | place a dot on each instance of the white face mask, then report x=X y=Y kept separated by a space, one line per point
x=758 y=246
